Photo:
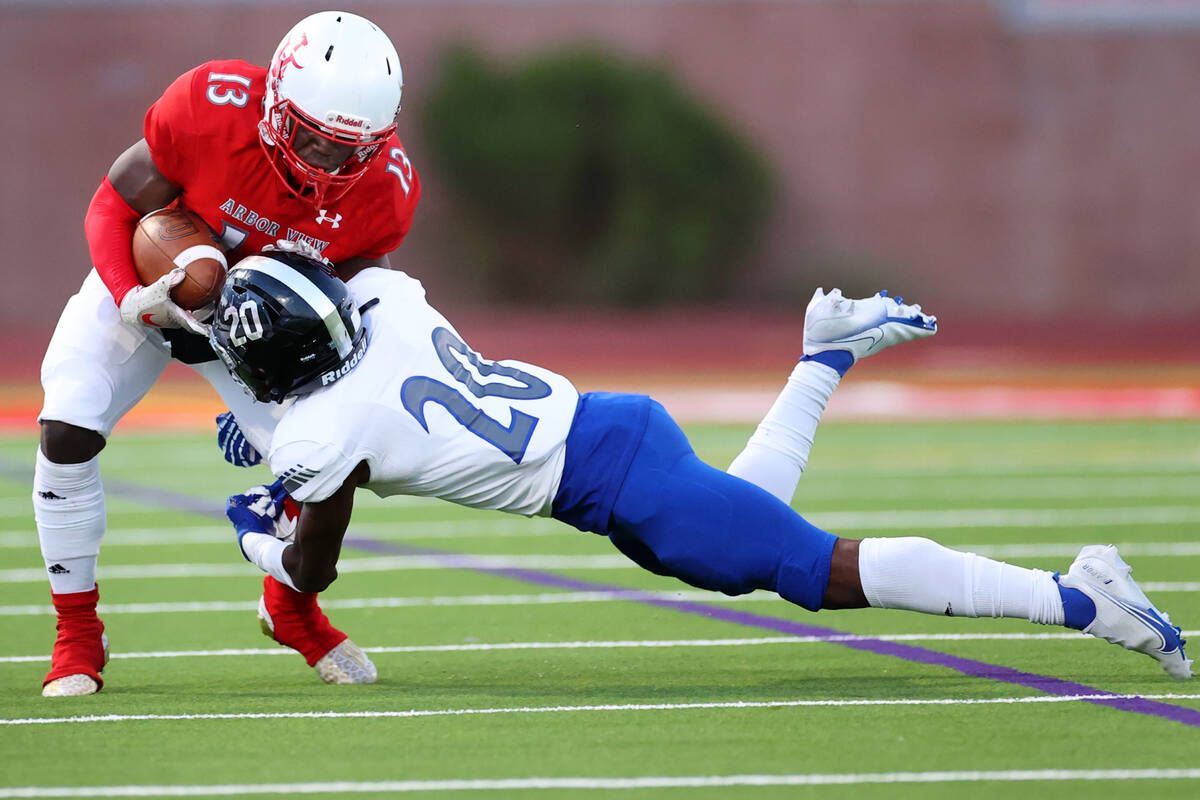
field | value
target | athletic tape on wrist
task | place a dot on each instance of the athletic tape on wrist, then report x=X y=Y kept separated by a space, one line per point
x=266 y=552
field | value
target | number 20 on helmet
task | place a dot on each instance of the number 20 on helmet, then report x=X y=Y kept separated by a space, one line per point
x=286 y=325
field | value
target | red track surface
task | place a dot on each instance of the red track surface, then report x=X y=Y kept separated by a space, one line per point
x=727 y=366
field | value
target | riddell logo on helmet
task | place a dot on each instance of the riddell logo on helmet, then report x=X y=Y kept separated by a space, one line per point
x=335 y=118
x=347 y=365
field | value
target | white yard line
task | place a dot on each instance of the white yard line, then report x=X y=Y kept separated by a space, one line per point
x=459 y=712
x=880 y=520
x=549 y=561
x=499 y=526
x=22 y=507
x=1006 y=518
x=546 y=598
x=611 y=783
x=1097 y=487
x=510 y=527
x=346 y=565
x=475 y=647
x=1081 y=481
x=984 y=463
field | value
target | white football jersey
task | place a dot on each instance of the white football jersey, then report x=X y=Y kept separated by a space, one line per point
x=428 y=415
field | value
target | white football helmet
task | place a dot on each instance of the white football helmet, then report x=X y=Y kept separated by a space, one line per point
x=337 y=75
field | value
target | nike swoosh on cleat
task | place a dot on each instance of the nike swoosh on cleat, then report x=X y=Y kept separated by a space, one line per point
x=1151 y=621
x=874 y=335
x=146 y=319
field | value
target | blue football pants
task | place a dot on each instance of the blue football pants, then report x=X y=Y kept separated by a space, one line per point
x=675 y=515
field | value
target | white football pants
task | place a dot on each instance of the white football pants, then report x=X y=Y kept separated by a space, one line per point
x=97 y=367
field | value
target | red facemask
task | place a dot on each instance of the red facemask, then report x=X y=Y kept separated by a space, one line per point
x=316 y=185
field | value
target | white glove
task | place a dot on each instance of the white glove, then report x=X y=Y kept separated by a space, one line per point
x=152 y=305
x=299 y=247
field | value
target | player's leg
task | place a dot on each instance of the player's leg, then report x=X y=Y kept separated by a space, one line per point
x=837 y=332
x=96 y=368
x=1096 y=596
x=677 y=516
x=294 y=619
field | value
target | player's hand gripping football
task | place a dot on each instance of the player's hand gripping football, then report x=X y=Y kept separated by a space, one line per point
x=233 y=443
x=152 y=305
x=256 y=510
x=299 y=247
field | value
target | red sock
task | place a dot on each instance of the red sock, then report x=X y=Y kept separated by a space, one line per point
x=79 y=649
x=299 y=622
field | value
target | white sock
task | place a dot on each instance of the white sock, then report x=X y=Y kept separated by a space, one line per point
x=918 y=574
x=777 y=453
x=68 y=506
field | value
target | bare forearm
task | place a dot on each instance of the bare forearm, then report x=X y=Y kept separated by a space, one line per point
x=309 y=572
x=312 y=558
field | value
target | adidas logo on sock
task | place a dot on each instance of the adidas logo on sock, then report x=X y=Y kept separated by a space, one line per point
x=58 y=569
x=50 y=496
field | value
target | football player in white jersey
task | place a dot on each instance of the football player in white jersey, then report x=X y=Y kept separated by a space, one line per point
x=385 y=395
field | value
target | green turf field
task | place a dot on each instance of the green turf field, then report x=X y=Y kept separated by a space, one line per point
x=543 y=684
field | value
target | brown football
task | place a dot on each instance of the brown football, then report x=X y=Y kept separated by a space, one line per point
x=175 y=237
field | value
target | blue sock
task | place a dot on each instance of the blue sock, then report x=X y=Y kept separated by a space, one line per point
x=840 y=360
x=1078 y=608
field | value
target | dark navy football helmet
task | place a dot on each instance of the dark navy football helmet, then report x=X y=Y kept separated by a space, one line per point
x=286 y=325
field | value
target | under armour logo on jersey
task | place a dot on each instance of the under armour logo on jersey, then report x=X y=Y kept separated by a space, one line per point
x=335 y=221
x=58 y=569
x=50 y=496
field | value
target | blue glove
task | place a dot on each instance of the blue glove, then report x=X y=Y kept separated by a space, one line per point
x=256 y=510
x=233 y=444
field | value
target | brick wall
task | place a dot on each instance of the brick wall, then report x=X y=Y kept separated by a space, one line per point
x=920 y=144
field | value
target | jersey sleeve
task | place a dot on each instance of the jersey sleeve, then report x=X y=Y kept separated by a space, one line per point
x=170 y=129
x=311 y=471
x=407 y=195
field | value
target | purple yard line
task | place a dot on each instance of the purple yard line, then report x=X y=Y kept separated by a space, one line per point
x=176 y=501
x=180 y=501
x=907 y=652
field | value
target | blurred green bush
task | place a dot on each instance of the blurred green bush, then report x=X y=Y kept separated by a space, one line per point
x=582 y=178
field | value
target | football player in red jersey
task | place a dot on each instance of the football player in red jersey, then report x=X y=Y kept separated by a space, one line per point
x=304 y=153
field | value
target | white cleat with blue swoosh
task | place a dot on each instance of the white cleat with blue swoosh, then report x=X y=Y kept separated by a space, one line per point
x=862 y=327
x=1124 y=615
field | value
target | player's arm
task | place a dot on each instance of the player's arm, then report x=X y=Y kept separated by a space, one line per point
x=133 y=188
x=138 y=181
x=311 y=561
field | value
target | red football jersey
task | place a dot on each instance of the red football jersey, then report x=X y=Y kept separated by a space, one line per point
x=203 y=137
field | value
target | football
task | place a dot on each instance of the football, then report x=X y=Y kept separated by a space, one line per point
x=174 y=237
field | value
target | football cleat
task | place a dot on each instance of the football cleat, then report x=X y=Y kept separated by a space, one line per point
x=861 y=327
x=71 y=686
x=1124 y=615
x=79 y=684
x=344 y=663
